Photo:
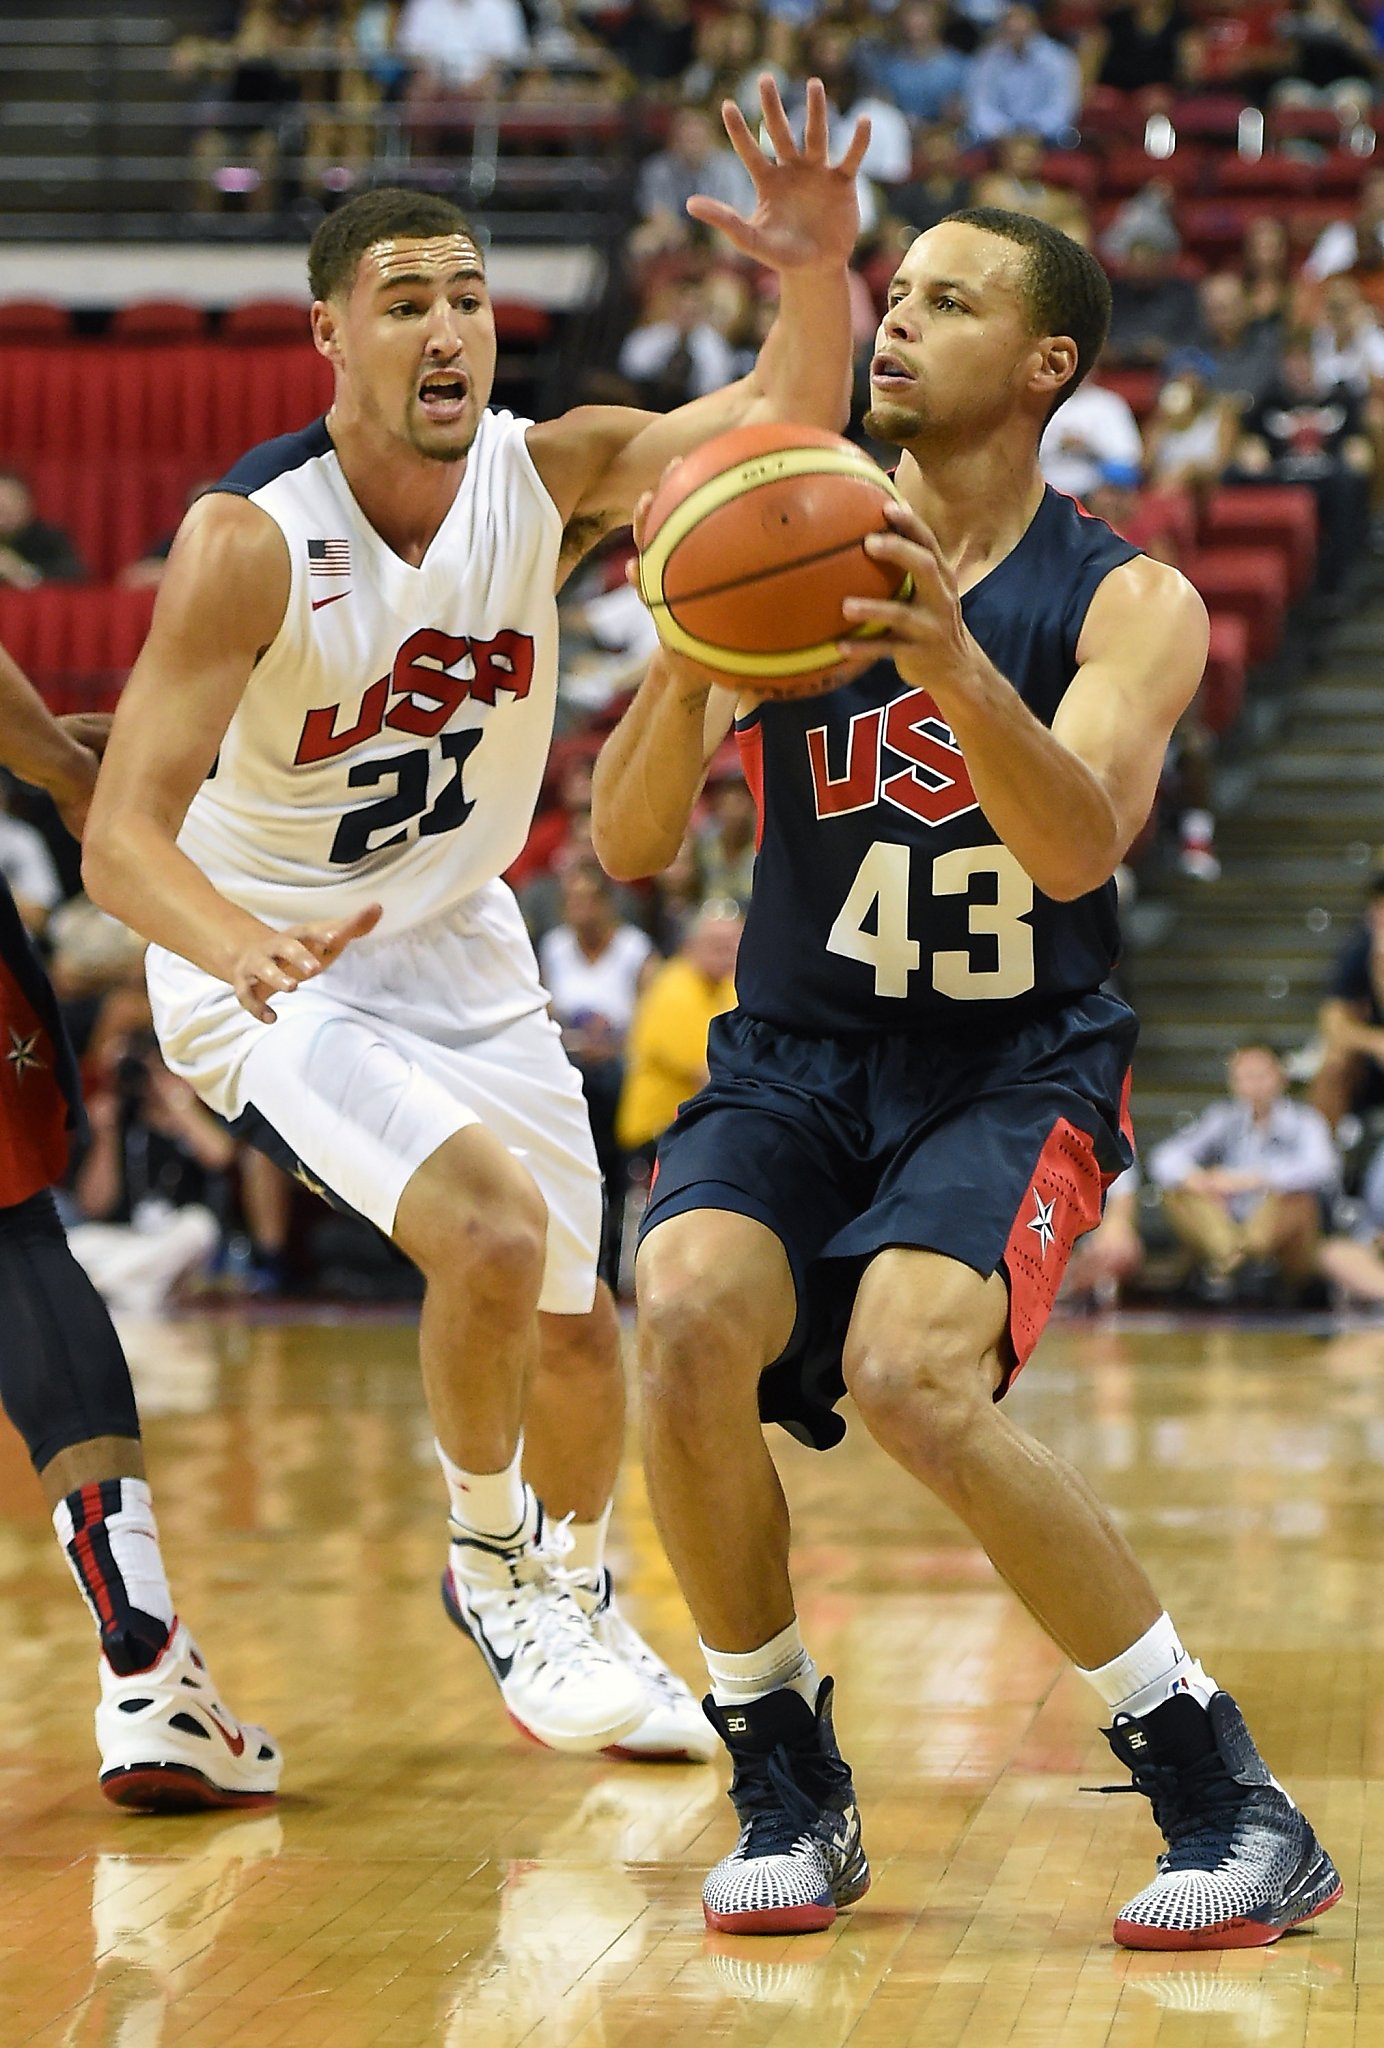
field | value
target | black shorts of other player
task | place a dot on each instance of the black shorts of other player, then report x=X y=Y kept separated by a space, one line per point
x=994 y=1150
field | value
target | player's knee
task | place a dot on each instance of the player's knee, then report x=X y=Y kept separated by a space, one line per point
x=491 y=1253
x=695 y=1337
x=923 y=1385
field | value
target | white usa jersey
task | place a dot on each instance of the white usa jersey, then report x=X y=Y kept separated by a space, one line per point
x=391 y=741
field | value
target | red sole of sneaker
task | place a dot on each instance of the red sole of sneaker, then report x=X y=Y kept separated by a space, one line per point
x=1230 y=1934
x=621 y=1755
x=173 y=1788
x=773 y=1920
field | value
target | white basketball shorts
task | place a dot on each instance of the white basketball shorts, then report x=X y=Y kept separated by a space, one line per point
x=403 y=1041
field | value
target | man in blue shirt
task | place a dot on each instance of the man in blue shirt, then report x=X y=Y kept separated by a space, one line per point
x=1023 y=79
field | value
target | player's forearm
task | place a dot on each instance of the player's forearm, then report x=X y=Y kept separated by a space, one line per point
x=33 y=745
x=1051 y=811
x=649 y=775
x=803 y=371
x=132 y=868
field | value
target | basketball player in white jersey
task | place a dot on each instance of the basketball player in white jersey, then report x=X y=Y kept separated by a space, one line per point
x=328 y=753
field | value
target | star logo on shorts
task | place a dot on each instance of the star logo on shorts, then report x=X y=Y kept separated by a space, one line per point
x=21 y=1054
x=305 y=1180
x=1040 y=1223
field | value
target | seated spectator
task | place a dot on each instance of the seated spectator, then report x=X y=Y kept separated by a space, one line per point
x=937 y=185
x=1110 y=1256
x=1266 y=268
x=1309 y=432
x=148 y=1188
x=1244 y=352
x=1352 y=244
x=1347 y=341
x=731 y=57
x=678 y=353
x=695 y=160
x=1350 y=1079
x=31 y=551
x=28 y=866
x=830 y=56
x=665 y=1053
x=1153 y=521
x=656 y=42
x=1243 y=1186
x=1094 y=429
x=726 y=836
x=459 y=51
x=251 y=90
x=1017 y=185
x=1152 y=309
x=1150 y=43
x=1334 y=59
x=922 y=75
x=1147 y=217
x=1022 y=79
x=1190 y=437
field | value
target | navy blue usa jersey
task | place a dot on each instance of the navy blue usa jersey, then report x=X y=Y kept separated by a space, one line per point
x=883 y=900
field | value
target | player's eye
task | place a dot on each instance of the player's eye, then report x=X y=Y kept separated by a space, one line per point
x=945 y=299
x=402 y=309
x=469 y=303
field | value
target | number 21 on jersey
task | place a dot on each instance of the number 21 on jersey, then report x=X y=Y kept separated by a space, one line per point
x=872 y=925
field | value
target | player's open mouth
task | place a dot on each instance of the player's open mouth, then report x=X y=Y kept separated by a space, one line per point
x=442 y=395
x=888 y=370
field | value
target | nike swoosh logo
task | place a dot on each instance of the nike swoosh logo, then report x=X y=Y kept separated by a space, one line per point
x=234 y=1743
x=319 y=602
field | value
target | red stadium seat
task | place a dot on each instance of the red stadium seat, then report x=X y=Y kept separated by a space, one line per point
x=1075 y=171
x=1129 y=168
x=1266 y=177
x=33 y=320
x=1303 y=124
x=1252 y=582
x=1227 y=666
x=1215 y=228
x=77 y=645
x=1267 y=515
x=1213 y=116
x=517 y=320
x=265 y=320
x=157 y=320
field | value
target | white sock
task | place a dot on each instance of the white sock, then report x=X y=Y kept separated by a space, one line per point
x=1149 y=1672
x=587 y=1554
x=490 y=1503
x=741 y=1675
x=111 y=1543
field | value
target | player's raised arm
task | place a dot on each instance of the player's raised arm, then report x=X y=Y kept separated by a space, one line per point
x=1068 y=801
x=596 y=460
x=220 y=605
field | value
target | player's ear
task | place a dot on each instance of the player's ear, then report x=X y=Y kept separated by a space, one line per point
x=325 y=325
x=1056 y=365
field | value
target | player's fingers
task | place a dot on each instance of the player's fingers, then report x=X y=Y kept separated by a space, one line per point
x=359 y=922
x=776 y=120
x=904 y=519
x=296 y=958
x=742 y=140
x=714 y=213
x=641 y=512
x=855 y=152
x=903 y=619
x=815 y=123
x=250 y=999
x=923 y=563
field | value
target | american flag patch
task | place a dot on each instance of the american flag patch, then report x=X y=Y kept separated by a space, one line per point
x=329 y=558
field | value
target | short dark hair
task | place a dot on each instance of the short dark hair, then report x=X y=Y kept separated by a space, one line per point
x=1066 y=289
x=344 y=236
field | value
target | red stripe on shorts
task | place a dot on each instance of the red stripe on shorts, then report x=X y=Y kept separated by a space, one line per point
x=1062 y=1204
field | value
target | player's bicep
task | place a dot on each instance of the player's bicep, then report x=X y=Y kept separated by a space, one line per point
x=220 y=604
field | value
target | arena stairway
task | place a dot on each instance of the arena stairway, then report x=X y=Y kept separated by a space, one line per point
x=1247 y=956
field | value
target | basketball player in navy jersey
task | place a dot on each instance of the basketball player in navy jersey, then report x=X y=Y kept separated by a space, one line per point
x=922 y=1094
x=325 y=760
x=64 y=1382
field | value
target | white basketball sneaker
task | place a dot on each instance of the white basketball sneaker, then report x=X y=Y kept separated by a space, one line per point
x=169 y=1745
x=674 y=1729
x=559 y=1684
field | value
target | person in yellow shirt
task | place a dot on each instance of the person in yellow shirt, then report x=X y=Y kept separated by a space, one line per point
x=665 y=1052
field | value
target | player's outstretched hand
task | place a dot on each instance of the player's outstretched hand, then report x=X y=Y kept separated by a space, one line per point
x=923 y=634
x=284 y=960
x=807 y=216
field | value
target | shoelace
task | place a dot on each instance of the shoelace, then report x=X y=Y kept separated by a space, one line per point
x=771 y=1804
x=551 y=1625
x=1195 y=1807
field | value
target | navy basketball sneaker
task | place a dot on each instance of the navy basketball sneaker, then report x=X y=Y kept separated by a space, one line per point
x=1242 y=1864
x=799 y=1856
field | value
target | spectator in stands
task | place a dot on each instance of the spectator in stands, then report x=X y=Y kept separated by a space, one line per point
x=665 y=1053
x=1266 y=268
x=1334 y=59
x=31 y=551
x=27 y=865
x=678 y=353
x=255 y=74
x=694 y=161
x=1132 y=48
x=1190 y=437
x=1244 y=1185
x=1092 y=431
x=731 y=56
x=1023 y=79
x=656 y=42
x=939 y=185
x=1244 y=352
x=1110 y=1256
x=922 y=75
x=1147 y=216
x=149 y=1188
x=1347 y=341
x=1017 y=185
x=829 y=54
x=1350 y=1079
x=1306 y=431
x=726 y=836
x=1352 y=244
x=1152 y=309
x=459 y=51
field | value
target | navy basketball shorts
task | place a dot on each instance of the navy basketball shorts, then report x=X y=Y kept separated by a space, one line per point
x=994 y=1149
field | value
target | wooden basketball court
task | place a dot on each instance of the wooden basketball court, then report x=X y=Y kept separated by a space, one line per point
x=431 y=1881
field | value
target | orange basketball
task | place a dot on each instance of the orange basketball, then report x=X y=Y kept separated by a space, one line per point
x=752 y=543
